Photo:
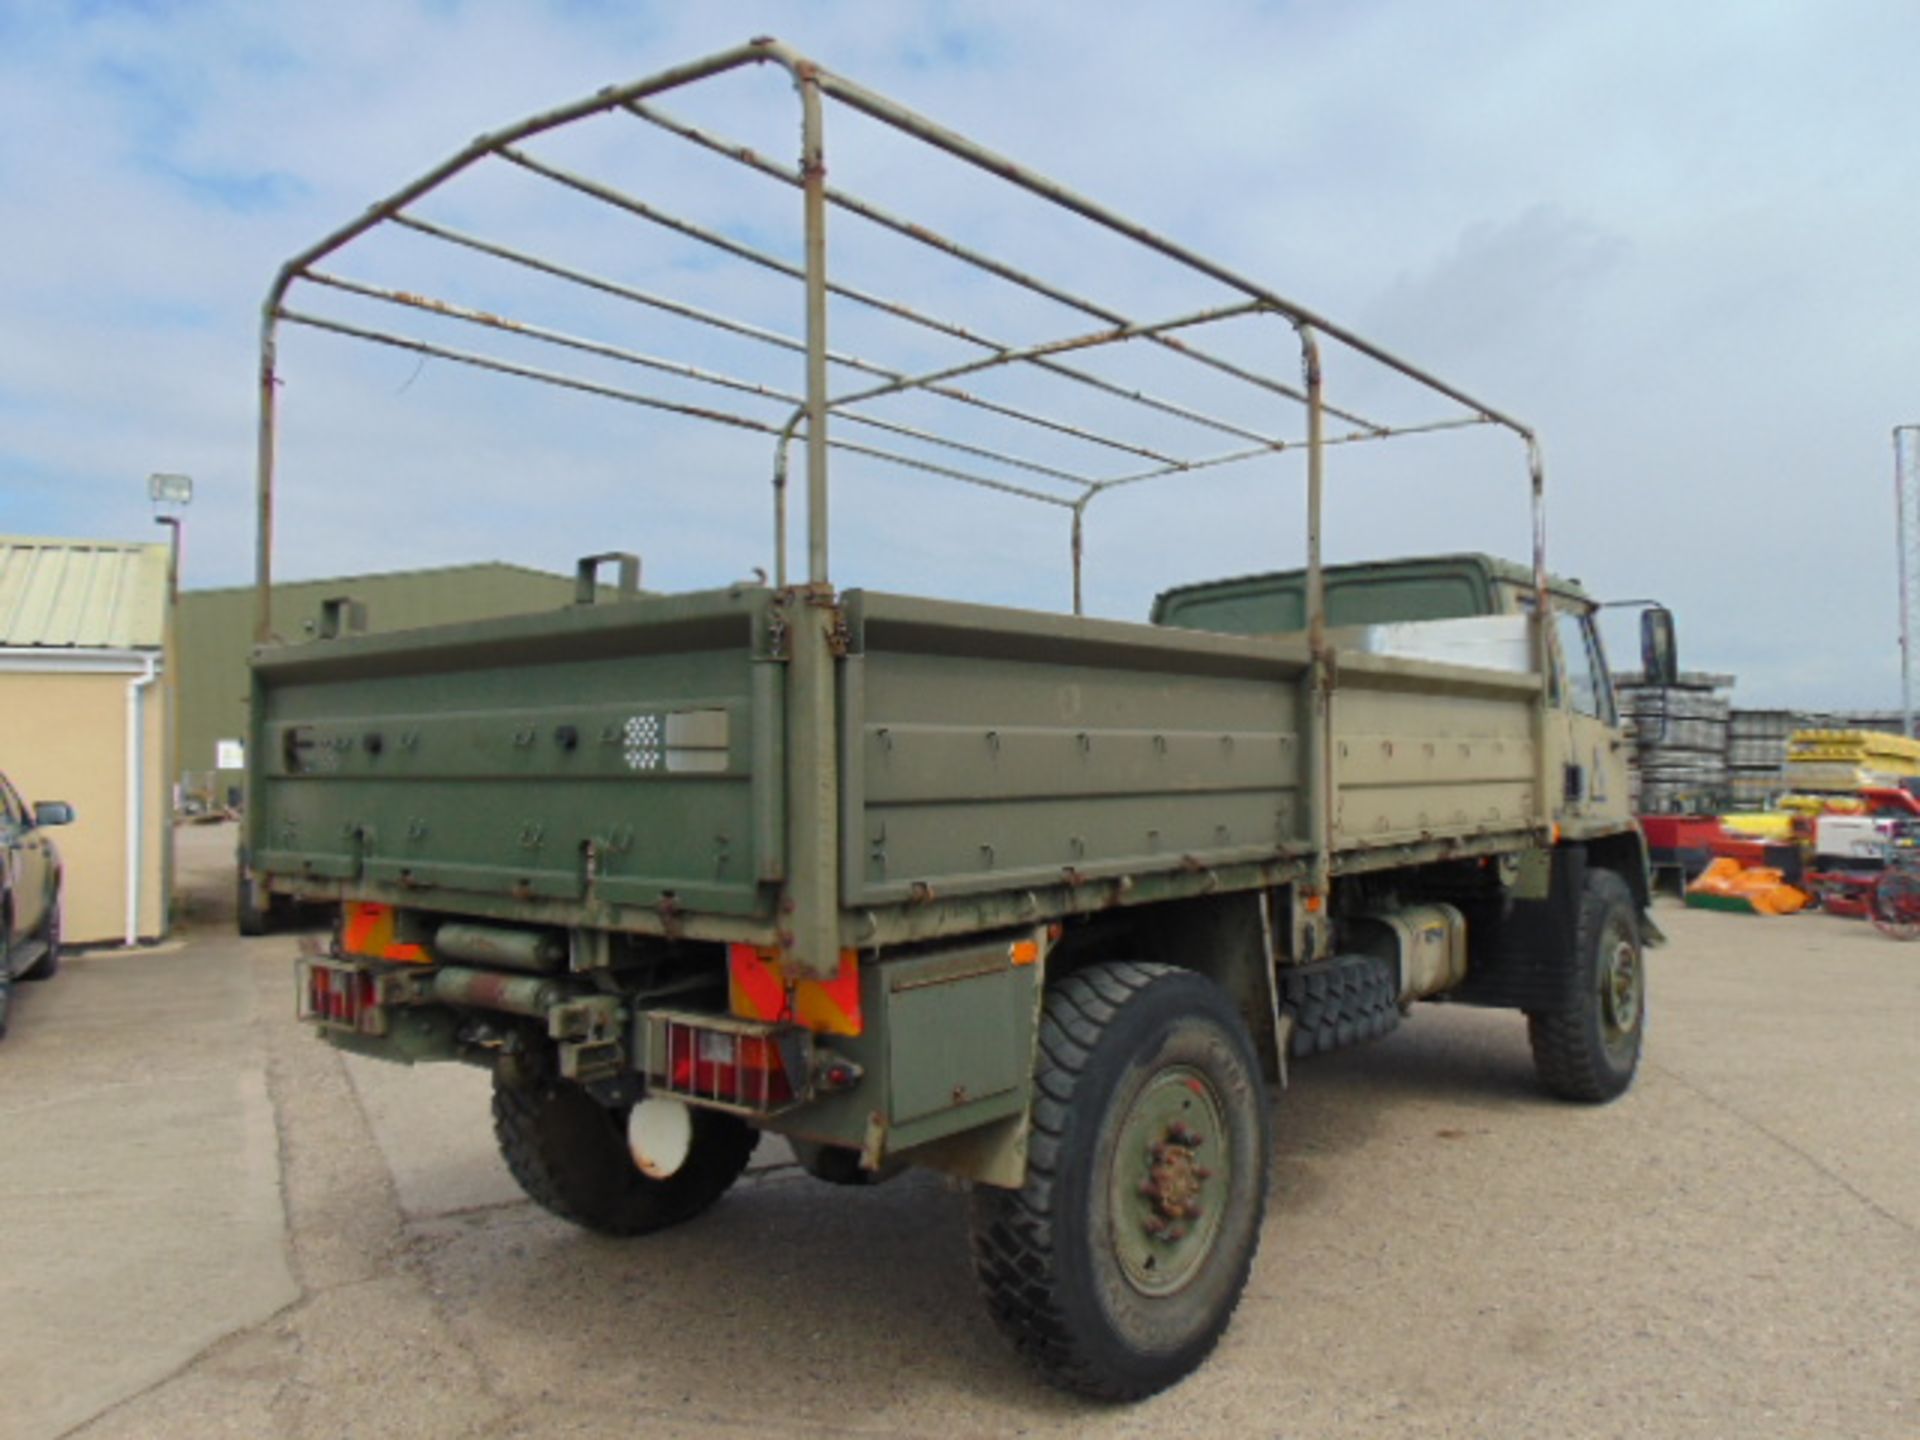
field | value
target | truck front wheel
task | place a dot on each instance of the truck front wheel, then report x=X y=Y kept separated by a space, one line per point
x=1590 y=1050
x=571 y=1155
x=1116 y=1267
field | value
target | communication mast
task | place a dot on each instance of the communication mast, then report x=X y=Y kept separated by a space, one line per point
x=1906 y=496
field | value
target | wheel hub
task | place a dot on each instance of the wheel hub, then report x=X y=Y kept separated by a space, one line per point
x=1620 y=986
x=1165 y=1200
x=1175 y=1181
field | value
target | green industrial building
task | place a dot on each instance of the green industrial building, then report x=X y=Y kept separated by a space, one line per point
x=214 y=633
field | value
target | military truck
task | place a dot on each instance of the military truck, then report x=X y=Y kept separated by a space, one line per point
x=1043 y=901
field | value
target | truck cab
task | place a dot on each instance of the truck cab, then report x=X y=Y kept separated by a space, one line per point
x=1469 y=609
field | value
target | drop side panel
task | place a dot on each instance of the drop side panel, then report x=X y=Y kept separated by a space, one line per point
x=617 y=755
x=989 y=749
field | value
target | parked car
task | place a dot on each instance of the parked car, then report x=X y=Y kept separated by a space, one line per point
x=29 y=892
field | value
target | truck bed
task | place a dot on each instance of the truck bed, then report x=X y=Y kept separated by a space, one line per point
x=623 y=764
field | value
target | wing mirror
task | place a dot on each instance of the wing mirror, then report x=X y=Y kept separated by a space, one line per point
x=52 y=812
x=1659 y=651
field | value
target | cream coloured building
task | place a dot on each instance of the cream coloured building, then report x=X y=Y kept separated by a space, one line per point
x=84 y=715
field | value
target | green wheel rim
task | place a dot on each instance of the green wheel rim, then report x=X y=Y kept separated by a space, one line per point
x=1622 y=981
x=1172 y=1172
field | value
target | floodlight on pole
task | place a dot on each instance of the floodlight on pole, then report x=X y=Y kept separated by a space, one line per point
x=175 y=491
x=170 y=489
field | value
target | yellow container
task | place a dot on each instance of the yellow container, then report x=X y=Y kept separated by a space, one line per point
x=1760 y=824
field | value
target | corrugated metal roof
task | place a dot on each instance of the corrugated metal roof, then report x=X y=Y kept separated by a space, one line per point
x=82 y=594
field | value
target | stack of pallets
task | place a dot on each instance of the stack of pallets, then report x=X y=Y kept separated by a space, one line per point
x=1757 y=754
x=1757 y=746
x=1679 y=755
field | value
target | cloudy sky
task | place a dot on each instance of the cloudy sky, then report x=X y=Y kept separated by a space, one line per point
x=1680 y=240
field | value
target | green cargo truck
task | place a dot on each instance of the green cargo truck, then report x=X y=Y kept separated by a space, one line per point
x=1042 y=901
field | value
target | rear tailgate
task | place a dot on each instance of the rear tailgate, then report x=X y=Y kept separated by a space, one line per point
x=615 y=755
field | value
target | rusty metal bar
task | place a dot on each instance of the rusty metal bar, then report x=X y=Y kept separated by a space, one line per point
x=810 y=904
x=493 y=321
x=1234 y=457
x=983 y=482
x=263 y=473
x=1079 y=543
x=920 y=234
x=1318 y=746
x=526 y=372
x=1090 y=340
x=1544 y=637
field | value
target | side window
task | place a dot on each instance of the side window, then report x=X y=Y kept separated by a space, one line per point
x=1587 y=690
x=1602 y=677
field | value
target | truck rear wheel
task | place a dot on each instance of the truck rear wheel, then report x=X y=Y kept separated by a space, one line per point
x=1117 y=1266
x=1590 y=1051
x=570 y=1154
x=249 y=918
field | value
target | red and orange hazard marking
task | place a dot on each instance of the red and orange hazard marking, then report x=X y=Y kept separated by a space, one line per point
x=368 y=933
x=757 y=989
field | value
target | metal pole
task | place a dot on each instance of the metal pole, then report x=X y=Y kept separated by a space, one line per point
x=1311 y=928
x=780 y=451
x=1080 y=547
x=1906 y=500
x=813 y=174
x=1543 y=641
x=170 y=714
x=263 y=538
x=810 y=919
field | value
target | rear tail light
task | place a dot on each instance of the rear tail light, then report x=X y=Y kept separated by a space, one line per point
x=743 y=1069
x=724 y=1062
x=344 y=997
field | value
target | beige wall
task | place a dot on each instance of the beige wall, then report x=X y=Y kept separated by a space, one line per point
x=63 y=737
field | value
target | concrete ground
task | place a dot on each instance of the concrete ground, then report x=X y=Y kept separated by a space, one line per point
x=216 y=1226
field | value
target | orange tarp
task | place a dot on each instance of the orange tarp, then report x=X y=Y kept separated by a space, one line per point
x=1763 y=889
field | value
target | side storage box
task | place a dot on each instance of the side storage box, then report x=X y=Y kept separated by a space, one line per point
x=947 y=1059
x=959 y=1030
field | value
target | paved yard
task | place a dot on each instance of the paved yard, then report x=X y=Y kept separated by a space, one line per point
x=216 y=1226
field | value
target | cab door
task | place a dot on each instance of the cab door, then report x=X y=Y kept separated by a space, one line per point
x=1594 y=768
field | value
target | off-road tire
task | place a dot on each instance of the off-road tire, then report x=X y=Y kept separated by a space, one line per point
x=1048 y=1256
x=570 y=1155
x=48 y=965
x=249 y=918
x=1339 y=1002
x=1590 y=1050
